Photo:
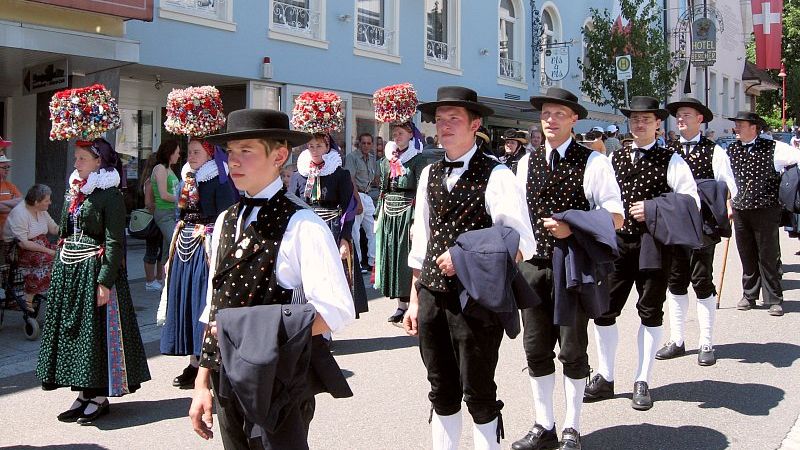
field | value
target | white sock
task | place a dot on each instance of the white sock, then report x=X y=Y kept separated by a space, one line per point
x=678 y=304
x=573 y=392
x=402 y=304
x=543 y=388
x=446 y=431
x=485 y=436
x=194 y=361
x=607 y=339
x=91 y=407
x=706 y=311
x=78 y=401
x=648 y=340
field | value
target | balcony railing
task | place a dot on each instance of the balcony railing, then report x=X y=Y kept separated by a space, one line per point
x=373 y=36
x=210 y=8
x=295 y=19
x=511 y=69
x=438 y=52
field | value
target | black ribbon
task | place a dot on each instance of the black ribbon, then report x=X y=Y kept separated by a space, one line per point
x=450 y=165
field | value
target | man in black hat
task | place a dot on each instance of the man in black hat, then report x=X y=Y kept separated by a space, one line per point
x=467 y=190
x=757 y=163
x=707 y=161
x=643 y=171
x=562 y=175
x=514 y=142
x=259 y=258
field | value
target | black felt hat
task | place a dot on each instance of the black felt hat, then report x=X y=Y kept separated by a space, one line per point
x=259 y=124
x=516 y=135
x=749 y=117
x=455 y=96
x=643 y=103
x=560 y=97
x=689 y=102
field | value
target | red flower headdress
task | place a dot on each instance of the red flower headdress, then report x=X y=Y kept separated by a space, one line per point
x=194 y=111
x=83 y=113
x=318 y=112
x=395 y=104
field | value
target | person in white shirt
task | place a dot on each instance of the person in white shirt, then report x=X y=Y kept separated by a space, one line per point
x=467 y=190
x=286 y=252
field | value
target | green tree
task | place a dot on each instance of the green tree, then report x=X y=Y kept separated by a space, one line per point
x=654 y=74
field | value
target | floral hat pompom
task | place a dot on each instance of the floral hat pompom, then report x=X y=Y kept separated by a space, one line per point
x=395 y=104
x=318 y=112
x=194 y=111
x=84 y=113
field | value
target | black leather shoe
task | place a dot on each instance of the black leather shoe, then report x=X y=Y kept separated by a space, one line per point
x=745 y=304
x=776 y=310
x=102 y=410
x=570 y=440
x=670 y=350
x=71 y=415
x=641 y=396
x=185 y=379
x=598 y=388
x=705 y=356
x=397 y=317
x=537 y=439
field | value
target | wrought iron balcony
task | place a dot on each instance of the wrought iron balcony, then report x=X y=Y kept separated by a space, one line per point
x=511 y=69
x=295 y=19
x=373 y=36
x=438 y=52
x=211 y=8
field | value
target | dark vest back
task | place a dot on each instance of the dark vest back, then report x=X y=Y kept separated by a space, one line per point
x=453 y=213
x=640 y=181
x=550 y=192
x=754 y=172
x=700 y=158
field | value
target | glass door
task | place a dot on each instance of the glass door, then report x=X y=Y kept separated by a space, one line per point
x=135 y=144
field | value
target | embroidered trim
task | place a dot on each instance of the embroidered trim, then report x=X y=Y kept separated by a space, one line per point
x=206 y=172
x=332 y=162
x=103 y=179
x=410 y=152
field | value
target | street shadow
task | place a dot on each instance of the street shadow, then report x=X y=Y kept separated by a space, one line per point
x=83 y=446
x=791 y=268
x=355 y=346
x=656 y=437
x=17 y=383
x=778 y=354
x=134 y=414
x=749 y=399
x=790 y=285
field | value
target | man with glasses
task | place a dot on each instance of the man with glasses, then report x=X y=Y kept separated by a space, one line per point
x=644 y=171
x=363 y=167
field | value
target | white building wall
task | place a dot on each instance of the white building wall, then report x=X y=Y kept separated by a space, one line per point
x=21 y=114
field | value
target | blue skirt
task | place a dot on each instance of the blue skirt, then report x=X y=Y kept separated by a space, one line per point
x=186 y=295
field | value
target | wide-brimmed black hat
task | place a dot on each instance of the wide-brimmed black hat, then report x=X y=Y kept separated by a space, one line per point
x=259 y=124
x=750 y=117
x=455 y=96
x=516 y=135
x=561 y=97
x=643 y=103
x=689 y=102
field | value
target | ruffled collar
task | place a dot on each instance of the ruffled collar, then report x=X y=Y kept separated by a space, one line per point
x=102 y=179
x=332 y=162
x=410 y=152
x=208 y=171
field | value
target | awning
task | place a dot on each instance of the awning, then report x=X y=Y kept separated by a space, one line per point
x=757 y=80
x=511 y=109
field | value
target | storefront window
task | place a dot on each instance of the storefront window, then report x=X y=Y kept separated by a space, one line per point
x=134 y=144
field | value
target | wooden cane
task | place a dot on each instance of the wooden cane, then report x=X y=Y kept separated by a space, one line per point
x=724 y=266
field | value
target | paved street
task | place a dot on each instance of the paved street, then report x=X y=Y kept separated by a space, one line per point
x=748 y=400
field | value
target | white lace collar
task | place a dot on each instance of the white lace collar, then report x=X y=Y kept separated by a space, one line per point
x=206 y=172
x=410 y=152
x=332 y=162
x=102 y=179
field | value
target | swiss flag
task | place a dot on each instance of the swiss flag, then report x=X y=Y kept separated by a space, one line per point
x=768 y=28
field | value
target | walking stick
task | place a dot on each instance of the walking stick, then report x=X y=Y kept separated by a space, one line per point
x=724 y=266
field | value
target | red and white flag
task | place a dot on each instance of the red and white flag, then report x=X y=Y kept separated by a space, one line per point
x=768 y=29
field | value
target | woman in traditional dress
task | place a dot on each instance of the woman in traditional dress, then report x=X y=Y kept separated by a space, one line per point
x=205 y=191
x=400 y=172
x=326 y=186
x=91 y=340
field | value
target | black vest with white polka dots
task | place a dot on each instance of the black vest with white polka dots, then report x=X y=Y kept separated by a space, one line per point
x=755 y=175
x=245 y=270
x=555 y=191
x=453 y=213
x=639 y=181
x=699 y=159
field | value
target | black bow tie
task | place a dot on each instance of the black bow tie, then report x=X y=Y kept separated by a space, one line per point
x=450 y=165
x=249 y=203
x=687 y=143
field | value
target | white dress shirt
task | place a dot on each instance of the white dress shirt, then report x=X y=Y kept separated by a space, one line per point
x=599 y=184
x=785 y=154
x=720 y=164
x=505 y=203
x=311 y=262
x=679 y=175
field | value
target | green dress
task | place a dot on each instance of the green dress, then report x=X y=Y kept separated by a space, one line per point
x=395 y=215
x=89 y=348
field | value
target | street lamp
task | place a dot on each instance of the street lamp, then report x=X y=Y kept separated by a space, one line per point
x=782 y=74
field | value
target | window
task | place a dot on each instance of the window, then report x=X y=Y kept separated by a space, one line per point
x=699 y=84
x=712 y=91
x=587 y=26
x=293 y=19
x=441 y=32
x=725 y=96
x=376 y=29
x=510 y=40
x=737 y=103
x=551 y=33
x=213 y=13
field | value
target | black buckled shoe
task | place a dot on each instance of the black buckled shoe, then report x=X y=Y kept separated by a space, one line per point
x=102 y=409
x=705 y=356
x=570 y=440
x=641 y=400
x=745 y=304
x=670 y=350
x=186 y=379
x=776 y=310
x=71 y=415
x=537 y=439
x=397 y=317
x=598 y=388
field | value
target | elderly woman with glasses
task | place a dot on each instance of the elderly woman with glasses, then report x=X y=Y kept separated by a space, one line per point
x=30 y=223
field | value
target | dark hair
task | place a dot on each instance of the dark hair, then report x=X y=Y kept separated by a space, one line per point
x=147 y=172
x=363 y=135
x=165 y=150
x=37 y=193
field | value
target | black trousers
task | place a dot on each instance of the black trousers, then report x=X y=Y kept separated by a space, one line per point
x=651 y=285
x=695 y=266
x=233 y=428
x=759 y=249
x=540 y=335
x=460 y=354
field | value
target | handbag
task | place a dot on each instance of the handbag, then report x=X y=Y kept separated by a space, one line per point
x=142 y=225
